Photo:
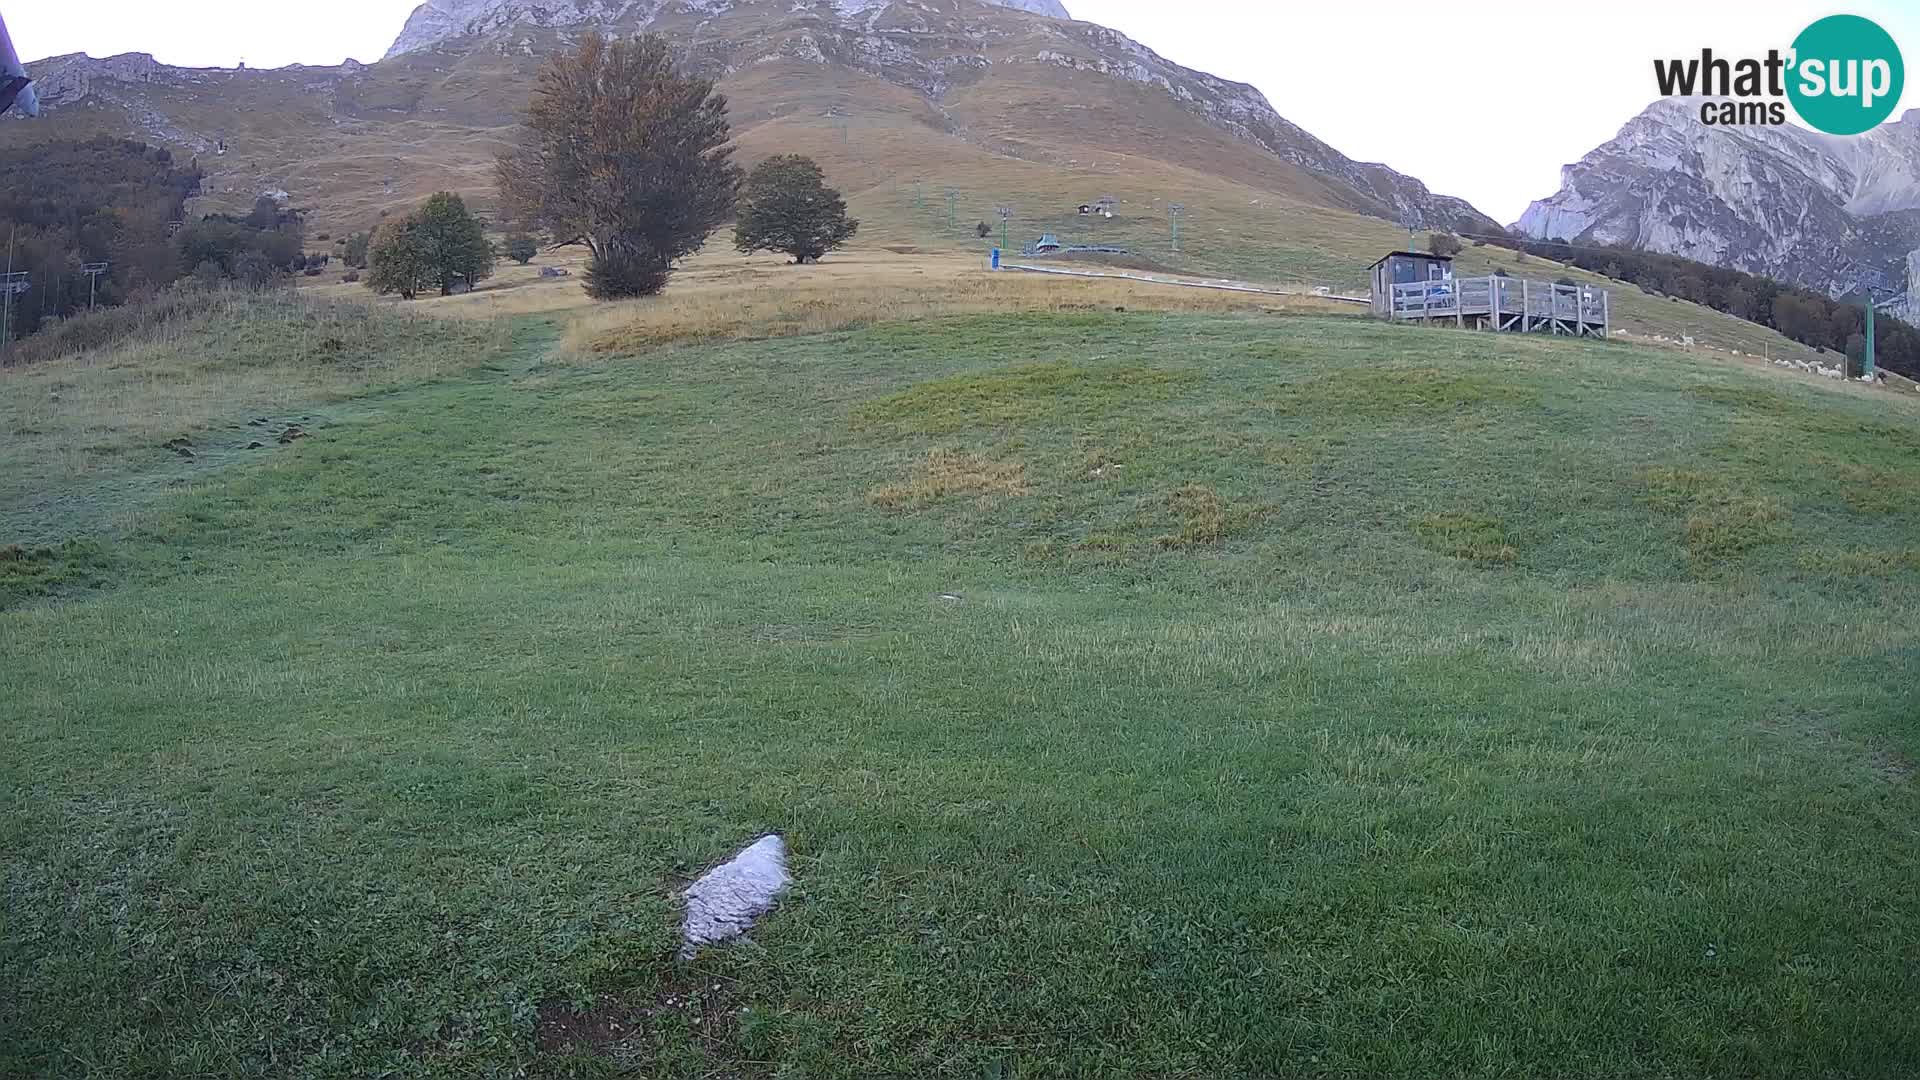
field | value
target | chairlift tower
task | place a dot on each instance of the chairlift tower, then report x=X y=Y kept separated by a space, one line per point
x=1174 y=210
x=13 y=283
x=1411 y=222
x=93 y=270
x=1006 y=228
x=953 y=200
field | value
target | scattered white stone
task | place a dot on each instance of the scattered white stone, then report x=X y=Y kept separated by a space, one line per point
x=727 y=900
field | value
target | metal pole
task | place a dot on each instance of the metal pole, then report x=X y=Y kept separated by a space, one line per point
x=93 y=281
x=6 y=315
x=1866 y=361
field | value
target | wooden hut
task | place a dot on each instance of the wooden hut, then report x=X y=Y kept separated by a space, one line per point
x=1405 y=268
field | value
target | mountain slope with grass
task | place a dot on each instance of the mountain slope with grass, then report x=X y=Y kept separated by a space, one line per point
x=950 y=93
x=1139 y=694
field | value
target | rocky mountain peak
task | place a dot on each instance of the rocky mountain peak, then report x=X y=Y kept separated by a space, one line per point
x=438 y=20
x=1783 y=201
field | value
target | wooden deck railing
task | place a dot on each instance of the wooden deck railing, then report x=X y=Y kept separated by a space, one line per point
x=1508 y=303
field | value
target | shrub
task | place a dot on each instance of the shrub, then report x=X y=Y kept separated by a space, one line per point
x=625 y=267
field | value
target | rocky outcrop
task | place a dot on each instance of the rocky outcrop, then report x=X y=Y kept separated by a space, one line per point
x=438 y=20
x=1781 y=201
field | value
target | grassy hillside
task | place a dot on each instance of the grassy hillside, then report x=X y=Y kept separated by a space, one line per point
x=1140 y=693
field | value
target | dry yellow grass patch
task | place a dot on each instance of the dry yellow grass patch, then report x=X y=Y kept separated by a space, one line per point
x=947 y=473
x=764 y=299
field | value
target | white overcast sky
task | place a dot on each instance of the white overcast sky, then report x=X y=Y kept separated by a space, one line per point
x=1568 y=75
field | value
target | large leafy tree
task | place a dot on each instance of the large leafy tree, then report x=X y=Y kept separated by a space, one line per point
x=456 y=244
x=434 y=247
x=397 y=259
x=625 y=153
x=787 y=206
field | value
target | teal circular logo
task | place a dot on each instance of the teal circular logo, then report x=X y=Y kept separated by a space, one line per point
x=1847 y=75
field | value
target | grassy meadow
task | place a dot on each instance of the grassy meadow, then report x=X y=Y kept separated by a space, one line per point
x=1232 y=693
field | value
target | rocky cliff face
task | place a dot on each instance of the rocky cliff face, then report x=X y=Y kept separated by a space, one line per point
x=438 y=20
x=1782 y=201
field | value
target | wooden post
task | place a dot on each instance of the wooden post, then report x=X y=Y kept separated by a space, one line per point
x=1606 y=314
x=1525 y=304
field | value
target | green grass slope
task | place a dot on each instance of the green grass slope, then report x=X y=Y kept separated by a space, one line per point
x=1140 y=695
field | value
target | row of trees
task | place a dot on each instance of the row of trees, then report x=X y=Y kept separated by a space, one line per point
x=1803 y=315
x=67 y=204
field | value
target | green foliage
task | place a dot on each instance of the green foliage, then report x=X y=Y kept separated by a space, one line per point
x=457 y=248
x=108 y=200
x=435 y=247
x=355 y=255
x=1803 y=315
x=1443 y=243
x=787 y=206
x=521 y=248
x=397 y=260
x=623 y=152
x=239 y=249
x=624 y=266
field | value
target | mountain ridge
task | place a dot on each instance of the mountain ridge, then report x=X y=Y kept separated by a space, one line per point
x=901 y=86
x=1793 y=204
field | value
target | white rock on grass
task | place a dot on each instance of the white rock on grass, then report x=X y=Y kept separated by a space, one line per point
x=727 y=900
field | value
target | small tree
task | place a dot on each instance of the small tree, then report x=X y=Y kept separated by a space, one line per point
x=356 y=253
x=983 y=230
x=787 y=206
x=456 y=246
x=1443 y=244
x=398 y=260
x=625 y=154
x=521 y=248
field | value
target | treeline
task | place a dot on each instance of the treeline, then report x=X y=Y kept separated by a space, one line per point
x=1800 y=314
x=64 y=205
